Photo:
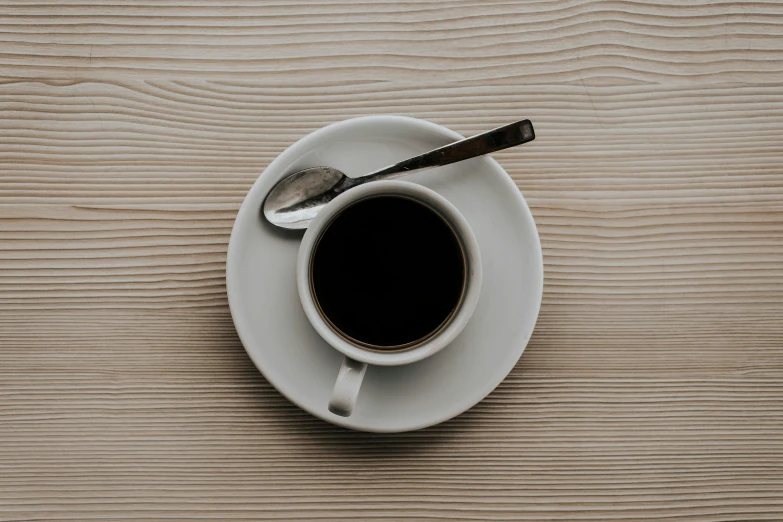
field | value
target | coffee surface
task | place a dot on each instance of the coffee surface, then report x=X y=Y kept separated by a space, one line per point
x=388 y=271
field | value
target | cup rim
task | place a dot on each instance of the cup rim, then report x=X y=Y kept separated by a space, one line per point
x=436 y=341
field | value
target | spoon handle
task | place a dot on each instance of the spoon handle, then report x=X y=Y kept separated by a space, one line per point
x=501 y=138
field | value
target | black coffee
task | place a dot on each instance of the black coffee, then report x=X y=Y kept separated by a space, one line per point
x=388 y=271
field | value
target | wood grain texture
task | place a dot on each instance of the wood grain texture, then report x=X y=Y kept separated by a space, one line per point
x=651 y=389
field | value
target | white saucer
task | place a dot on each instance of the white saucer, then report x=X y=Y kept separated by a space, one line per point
x=260 y=274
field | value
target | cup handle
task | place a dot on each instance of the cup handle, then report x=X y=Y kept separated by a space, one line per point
x=346 y=389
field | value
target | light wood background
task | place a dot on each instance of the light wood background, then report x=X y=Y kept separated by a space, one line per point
x=652 y=387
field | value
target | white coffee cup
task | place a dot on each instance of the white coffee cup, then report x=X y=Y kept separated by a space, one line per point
x=357 y=357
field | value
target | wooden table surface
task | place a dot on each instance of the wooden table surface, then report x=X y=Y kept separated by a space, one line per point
x=129 y=135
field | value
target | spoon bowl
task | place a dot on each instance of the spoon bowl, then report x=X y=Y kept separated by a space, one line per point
x=298 y=198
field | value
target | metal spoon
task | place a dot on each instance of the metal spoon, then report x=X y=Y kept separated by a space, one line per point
x=298 y=197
